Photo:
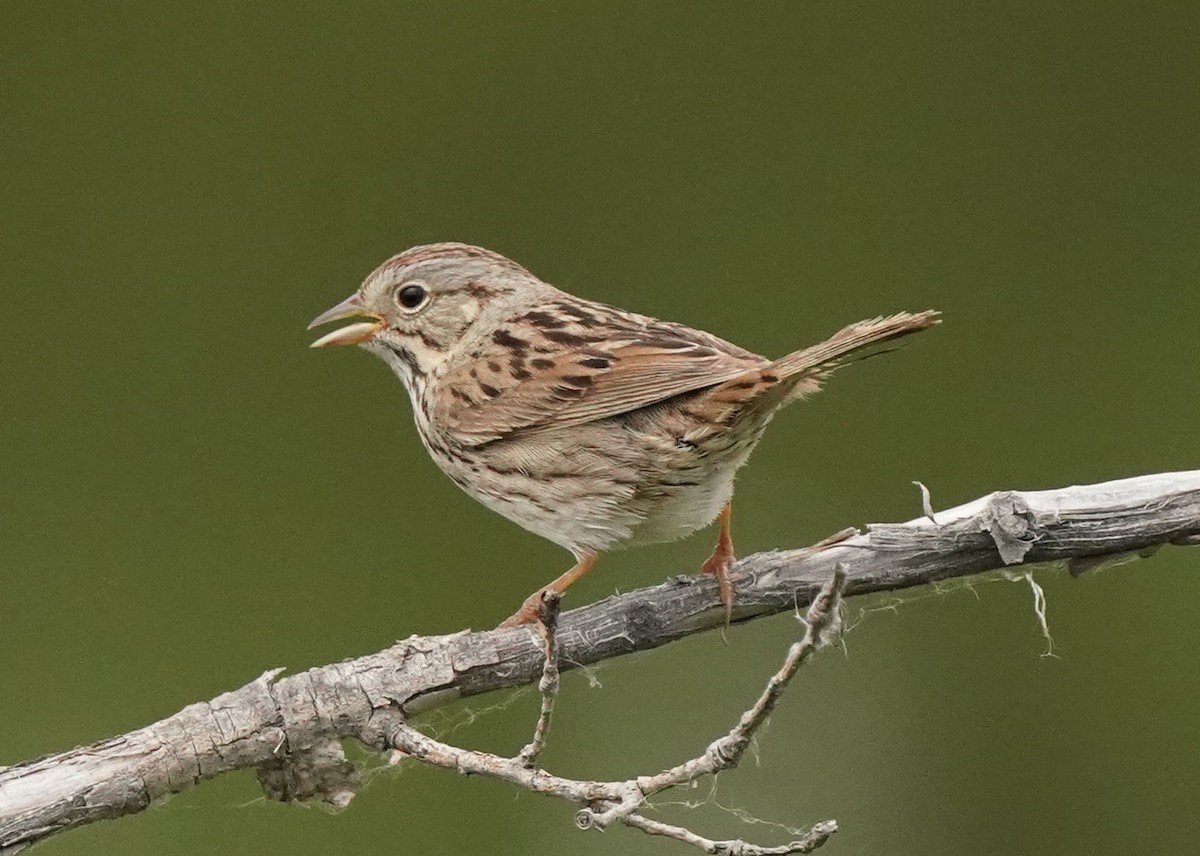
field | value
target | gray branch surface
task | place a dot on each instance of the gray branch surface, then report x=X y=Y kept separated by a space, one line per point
x=289 y=728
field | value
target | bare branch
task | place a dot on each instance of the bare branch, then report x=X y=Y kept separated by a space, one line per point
x=605 y=803
x=818 y=835
x=288 y=727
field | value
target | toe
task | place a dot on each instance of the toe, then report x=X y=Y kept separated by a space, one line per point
x=529 y=613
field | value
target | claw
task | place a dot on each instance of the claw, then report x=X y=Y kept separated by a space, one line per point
x=721 y=561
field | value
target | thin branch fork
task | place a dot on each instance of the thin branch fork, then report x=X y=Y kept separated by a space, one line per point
x=289 y=728
x=605 y=803
x=549 y=684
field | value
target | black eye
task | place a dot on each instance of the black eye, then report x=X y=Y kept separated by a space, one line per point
x=411 y=296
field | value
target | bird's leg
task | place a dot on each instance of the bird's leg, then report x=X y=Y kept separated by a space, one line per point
x=531 y=608
x=722 y=559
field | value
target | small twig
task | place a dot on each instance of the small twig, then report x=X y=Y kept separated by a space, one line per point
x=814 y=838
x=603 y=803
x=413 y=743
x=834 y=540
x=548 y=685
x=823 y=621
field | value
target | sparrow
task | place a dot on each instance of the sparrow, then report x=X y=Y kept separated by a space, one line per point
x=589 y=425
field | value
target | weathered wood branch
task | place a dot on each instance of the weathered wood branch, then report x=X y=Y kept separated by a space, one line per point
x=603 y=804
x=289 y=728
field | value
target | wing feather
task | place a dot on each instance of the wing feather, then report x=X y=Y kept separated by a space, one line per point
x=568 y=362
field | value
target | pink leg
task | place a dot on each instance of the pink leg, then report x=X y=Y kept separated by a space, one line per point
x=722 y=559
x=531 y=608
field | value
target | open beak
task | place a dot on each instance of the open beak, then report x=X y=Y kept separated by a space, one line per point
x=351 y=334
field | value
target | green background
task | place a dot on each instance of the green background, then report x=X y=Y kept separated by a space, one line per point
x=190 y=496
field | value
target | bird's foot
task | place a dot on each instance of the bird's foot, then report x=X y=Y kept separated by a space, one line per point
x=721 y=561
x=531 y=610
x=529 y=613
x=718 y=566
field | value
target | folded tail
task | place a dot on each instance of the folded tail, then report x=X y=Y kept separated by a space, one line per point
x=852 y=343
x=800 y=373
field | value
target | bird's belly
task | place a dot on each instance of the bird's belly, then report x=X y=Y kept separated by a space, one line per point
x=582 y=519
x=680 y=506
x=570 y=494
x=600 y=487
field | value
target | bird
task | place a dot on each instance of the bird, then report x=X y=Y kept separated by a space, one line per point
x=589 y=425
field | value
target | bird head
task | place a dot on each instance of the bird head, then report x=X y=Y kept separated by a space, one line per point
x=422 y=305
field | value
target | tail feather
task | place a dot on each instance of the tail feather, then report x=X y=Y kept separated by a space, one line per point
x=800 y=374
x=852 y=341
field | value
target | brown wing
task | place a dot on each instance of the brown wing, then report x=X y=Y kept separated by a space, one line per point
x=568 y=361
